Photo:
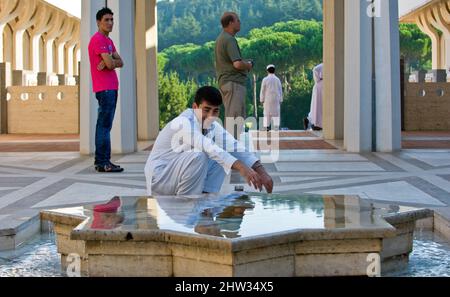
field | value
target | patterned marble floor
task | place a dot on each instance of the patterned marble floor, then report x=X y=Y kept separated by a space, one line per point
x=30 y=182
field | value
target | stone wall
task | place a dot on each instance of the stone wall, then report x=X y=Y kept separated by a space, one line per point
x=42 y=110
x=5 y=68
x=427 y=107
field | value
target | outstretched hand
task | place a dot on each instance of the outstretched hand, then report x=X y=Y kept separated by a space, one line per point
x=267 y=182
x=258 y=178
x=252 y=178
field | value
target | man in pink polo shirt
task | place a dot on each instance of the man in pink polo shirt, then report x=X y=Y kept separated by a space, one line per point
x=104 y=60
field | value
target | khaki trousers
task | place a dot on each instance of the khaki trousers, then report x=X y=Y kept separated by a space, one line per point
x=234 y=96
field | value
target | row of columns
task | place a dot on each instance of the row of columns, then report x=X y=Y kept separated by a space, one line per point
x=135 y=37
x=48 y=27
x=362 y=75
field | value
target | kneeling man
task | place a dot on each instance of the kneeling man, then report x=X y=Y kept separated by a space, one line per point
x=193 y=153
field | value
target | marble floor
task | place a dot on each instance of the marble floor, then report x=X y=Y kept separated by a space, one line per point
x=30 y=182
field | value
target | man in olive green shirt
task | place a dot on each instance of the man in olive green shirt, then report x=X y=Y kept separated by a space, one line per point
x=232 y=71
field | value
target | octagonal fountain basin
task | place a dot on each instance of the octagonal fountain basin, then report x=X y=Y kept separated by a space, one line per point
x=236 y=235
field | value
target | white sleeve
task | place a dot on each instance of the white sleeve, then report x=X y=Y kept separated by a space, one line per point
x=234 y=147
x=196 y=140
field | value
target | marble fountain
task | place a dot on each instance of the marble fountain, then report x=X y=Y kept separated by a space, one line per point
x=240 y=235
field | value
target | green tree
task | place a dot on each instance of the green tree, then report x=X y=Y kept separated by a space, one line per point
x=297 y=102
x=415 y=48
x=174 y=94
x=198 y=21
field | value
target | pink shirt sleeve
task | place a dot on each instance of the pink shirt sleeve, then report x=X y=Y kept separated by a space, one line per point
x=100 y=47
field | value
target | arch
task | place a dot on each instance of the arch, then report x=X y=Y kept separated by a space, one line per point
x=9 y=10
x=42 y=24
x=425 y=26
x=24 y=22
x=66 y=34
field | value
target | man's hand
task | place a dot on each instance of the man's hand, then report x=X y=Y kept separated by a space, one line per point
x=243 y=65
x=117 y=60
x=252 y=178
x=110 y=62
x=101 y=66
x=265 y=178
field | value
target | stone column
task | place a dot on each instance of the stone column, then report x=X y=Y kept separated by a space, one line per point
x=437 y=15
x=5 y=81
x=27 y=18
x=387 y=71
x=124 y=134
x=9 y=10
x=88 y=102
x=358 y=77
x=333 y=59
x=71 y=44
x=427 y=28
x=147 y=69
x=52 y=34
x=43 y=24
x=67 y=33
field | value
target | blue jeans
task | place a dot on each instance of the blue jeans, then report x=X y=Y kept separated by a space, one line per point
x=107 y=101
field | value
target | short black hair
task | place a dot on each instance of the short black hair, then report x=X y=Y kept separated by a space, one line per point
x=102 y=12
x=210 y=95
x=271 y=70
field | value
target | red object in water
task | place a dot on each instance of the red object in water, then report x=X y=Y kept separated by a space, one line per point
x=110 y=207
x=105 y=216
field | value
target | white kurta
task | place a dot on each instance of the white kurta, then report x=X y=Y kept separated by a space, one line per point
x=272 y=97
x=315 y=115
x=185 y=162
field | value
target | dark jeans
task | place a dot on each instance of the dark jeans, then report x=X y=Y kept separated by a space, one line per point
x=107 y=101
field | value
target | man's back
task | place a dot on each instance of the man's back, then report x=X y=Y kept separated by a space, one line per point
x=227 y=51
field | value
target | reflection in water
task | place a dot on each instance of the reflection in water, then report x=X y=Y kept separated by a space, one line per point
x=236 y=215
x=106 y=216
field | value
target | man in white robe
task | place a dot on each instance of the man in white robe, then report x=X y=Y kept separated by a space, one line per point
x=193 y=153
x=272 y=97
x=314 y=118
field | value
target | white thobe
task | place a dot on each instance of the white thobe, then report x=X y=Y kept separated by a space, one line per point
x=272 y=97
x=315 y=115
x=185 y=162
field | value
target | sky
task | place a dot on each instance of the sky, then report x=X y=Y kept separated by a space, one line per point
x=74 y=6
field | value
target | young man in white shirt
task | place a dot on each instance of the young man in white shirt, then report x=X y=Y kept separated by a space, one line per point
x=192 y=154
